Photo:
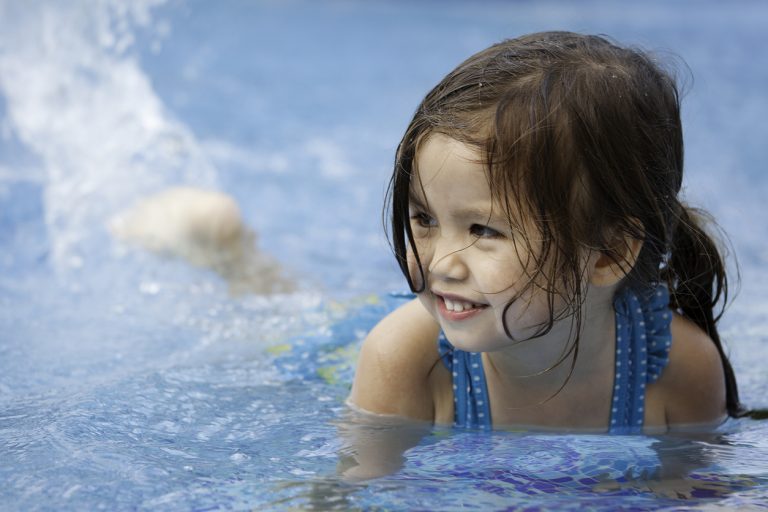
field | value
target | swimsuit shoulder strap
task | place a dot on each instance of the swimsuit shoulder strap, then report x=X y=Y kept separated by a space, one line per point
x=643 y=340
x=470 y=391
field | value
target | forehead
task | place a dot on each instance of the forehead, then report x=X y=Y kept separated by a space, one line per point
x=451 y=178
x=448 y=166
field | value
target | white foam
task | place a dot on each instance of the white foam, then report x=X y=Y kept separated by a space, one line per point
x=78 y=98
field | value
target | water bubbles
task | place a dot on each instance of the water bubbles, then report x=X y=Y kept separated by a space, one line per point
x=301 y=472
x=69 y=492
x=238 y=457
x=75 y=262
x=149 y=288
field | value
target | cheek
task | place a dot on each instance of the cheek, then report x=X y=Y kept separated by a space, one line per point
x=527 y=314
x=413 y=268
x=532 y=312
x=500 y=277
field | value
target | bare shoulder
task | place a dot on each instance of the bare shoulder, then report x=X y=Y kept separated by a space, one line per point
x=693 y=384
x=395 y=362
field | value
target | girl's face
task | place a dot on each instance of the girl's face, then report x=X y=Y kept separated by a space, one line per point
x=473 y=261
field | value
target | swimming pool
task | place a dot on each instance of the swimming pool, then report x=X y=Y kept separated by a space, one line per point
x=130 y=381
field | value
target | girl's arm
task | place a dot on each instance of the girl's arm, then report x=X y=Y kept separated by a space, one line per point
x=394 y=385
x=395 y=363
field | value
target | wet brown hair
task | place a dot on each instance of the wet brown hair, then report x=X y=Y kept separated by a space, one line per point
x=581 y=137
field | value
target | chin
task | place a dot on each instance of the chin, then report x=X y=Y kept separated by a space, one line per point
x=474 y=343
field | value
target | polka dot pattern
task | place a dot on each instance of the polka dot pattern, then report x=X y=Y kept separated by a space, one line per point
x=470 y=393
x=643 y=340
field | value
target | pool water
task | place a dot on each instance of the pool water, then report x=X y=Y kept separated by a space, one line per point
x=133 y=381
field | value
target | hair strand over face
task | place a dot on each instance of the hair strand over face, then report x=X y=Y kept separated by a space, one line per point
x=582 y=140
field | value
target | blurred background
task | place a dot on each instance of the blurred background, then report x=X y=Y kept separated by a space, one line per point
x=295 y=109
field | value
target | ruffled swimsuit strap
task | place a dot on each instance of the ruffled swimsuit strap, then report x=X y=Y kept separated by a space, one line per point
x=643 y=341
x=470 y=392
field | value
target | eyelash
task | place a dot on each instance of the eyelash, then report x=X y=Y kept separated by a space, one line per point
x=478 y=230
x=481 y=231
x=423 y=220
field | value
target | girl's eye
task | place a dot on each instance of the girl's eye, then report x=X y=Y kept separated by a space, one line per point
x=481 y=231
x=423 y=220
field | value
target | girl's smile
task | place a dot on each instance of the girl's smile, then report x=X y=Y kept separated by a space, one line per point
x=535 y=211
x=456 y=309
x=467 y=249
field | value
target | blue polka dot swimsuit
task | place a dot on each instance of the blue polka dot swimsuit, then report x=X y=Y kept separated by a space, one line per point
x=643 y=340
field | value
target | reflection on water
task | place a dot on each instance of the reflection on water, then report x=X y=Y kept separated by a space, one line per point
x=132 y=381
x=525 y=470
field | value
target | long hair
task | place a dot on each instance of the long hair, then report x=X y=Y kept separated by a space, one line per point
x=582 y=138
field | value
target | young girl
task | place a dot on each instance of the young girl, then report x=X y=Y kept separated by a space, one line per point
x=561 y=283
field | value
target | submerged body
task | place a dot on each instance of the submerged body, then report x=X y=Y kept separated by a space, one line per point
x=472 y=267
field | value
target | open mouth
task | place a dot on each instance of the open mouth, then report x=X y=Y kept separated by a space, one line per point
x=459 y=305
x=455 y=308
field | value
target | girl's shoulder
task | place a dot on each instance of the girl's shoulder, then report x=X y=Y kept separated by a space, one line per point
x=692 y=386
x=396 y=361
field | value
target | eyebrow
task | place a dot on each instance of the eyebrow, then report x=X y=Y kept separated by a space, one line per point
x=416 y=201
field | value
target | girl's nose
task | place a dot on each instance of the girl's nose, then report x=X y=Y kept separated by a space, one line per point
x=447 y=262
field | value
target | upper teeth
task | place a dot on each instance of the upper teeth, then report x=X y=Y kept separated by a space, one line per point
x=457 y=305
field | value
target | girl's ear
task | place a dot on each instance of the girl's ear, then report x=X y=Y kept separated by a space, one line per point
x=610 y=266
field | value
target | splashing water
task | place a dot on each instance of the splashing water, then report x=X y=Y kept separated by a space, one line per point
x=134 y=381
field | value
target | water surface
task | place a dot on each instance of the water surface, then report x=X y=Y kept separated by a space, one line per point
x=131 y=381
